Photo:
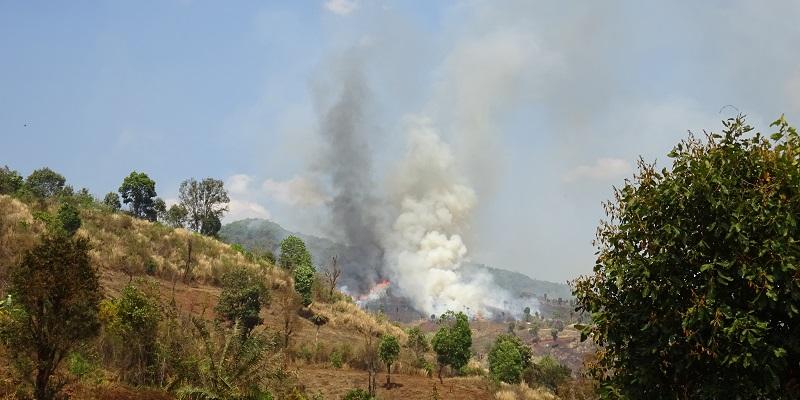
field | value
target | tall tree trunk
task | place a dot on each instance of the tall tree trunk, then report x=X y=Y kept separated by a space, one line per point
x=388 y=375
x=440 y=374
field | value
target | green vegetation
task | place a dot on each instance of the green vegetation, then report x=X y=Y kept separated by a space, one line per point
x=69 y=218
x=294 y=253
x=357 y=394
x=243 y=296
x=452 y=341
x=55 y=295
x=139 y=192
x=388 y=350
x=10 y=181
x=205 y=202
x=549 y=373
x=45 y=183
x=112 y=201
x=417 y=342
x=508 y=358
x=695 y=290
x=304 y=282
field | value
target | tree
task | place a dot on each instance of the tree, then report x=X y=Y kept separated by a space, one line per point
x=332 y=275
x=160 y=208
x=694 y=292
x=319 y=321
x=554 y=334
x=526 y=314
x=288 y=305
x=417 y=342
x=304 y=282
x=204 y=201
x=176 y=216
x=69 y=218
x=44 y=183
x=243 y=296
x=389 y=350
x=452 y=341
x=112 y=201
x=135 y=322
x=10 y=181
x=293 y=253
x=139 y=191
x=55 y=292
x=211 y=226
x=508 y=358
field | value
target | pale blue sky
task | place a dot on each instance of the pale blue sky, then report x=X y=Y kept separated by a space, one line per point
x=573 y=93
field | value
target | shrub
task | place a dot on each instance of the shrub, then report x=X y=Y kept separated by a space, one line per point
x=243 y=295
x=508 y=358
x=69 y=218
x=547 y=372
x=357 y=394
x=336 y=358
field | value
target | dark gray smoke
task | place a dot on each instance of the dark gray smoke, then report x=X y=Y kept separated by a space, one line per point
x=346 y=160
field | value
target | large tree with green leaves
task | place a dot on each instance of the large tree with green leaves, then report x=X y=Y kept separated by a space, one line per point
x=205 y=203
x=452 y=342
x=44 y=183
x=293 y=253
x=695 y=289
x=55 y=294
x=139 y=192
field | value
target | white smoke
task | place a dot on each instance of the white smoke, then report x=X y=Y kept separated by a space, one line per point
x=425 y=249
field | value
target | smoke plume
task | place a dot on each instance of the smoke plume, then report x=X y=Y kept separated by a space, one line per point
x=346 y=160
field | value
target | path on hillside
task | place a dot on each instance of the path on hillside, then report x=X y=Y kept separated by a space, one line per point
x=334 y=383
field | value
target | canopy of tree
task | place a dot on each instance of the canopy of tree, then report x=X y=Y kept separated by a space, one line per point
x=695 y=289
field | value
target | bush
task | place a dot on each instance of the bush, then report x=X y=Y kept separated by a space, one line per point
x=243 y=295
x=69 y=218
x=547 y=372
x=336 y=358
x=357 y=394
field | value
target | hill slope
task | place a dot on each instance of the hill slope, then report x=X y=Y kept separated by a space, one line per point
x=265 y=235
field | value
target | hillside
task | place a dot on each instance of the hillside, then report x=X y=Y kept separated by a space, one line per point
x=264 y=235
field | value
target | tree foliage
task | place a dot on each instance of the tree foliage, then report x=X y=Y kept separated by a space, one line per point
x=695 y=289
x=547 y=372
x=417 y=341
x=139 y=192
x=508 y=358
x=45 y=183
x=294 y=253
x=176 y=216
x=205 y=203
x=452 y=341
x=243 y=296
x=388 y=350
x=10 y=181
x=69 y=218
x=112 y=201
x=135 y=319
x=55 y=292
x=304 y=282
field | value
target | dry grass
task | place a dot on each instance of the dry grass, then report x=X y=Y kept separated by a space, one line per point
x=18 y=233
x=523 y=392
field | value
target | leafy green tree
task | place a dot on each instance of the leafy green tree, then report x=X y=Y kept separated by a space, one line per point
x=293 y=253
x=112 y=201
x=45 y=183
x=417 y=342
x=508 y=358
x=388 y=350
x=10 y=180
x=69 y=218
x=304 y=282
x=139 y=191
x=695 y=288
x=205 y=202
x=243 y=296
x=176 y=216
x=452 y=341
x=526 y=314
x=55 y=292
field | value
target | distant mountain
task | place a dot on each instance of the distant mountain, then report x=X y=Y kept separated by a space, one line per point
x=265 y=235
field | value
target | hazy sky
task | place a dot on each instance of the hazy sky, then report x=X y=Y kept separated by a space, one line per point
x=564 y=98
